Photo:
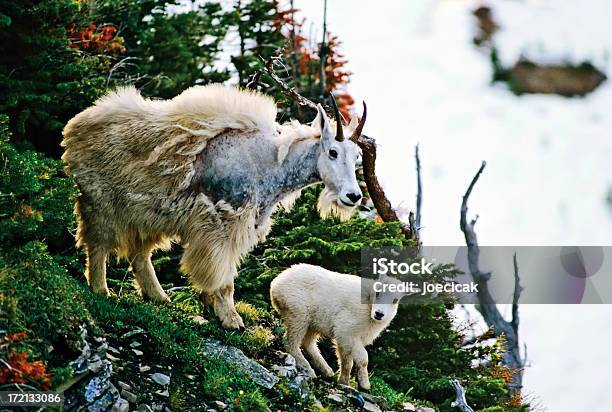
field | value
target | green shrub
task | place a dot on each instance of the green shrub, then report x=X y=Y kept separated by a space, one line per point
x=49 y=304
x=36 y=199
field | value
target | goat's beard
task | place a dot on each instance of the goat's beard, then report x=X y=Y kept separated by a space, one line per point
x=328 y=206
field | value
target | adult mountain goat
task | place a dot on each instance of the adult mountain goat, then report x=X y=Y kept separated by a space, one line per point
x=206 y=169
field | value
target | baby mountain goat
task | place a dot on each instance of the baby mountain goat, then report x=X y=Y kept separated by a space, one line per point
x=205 y=169
x=316 y=302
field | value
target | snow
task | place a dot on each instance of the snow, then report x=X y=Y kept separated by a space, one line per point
x=549 y=158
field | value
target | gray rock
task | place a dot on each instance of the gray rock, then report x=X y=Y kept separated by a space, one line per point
x=114 y=350
x=336 y=398
x=345 y=388
x=371 y=407
x=95 y=364
x=99 y=384
x=102 y=348
x=161 y=379
x=356 y=399
x=131 y=333
x=163 y=393
x=104 y=403
x=288 y=359
x=120 y=405
x=135 y=344
x=137 y=352
x=407 y=406
x=144 y=368
x=129 y=396
x=124 y=385
x=300 y=384
x=111 y=357
x=220 y=405
x=284 y=371
x=143 y=407
x=91 y=388
x=425 y=409
x=234 y=356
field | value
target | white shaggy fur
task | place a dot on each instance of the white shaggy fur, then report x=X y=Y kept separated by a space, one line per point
x=140 y=165
x=315 y=302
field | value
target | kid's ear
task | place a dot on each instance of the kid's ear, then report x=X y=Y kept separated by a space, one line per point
x=369 y=293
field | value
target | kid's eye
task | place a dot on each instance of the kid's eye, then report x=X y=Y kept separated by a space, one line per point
x=333 y=154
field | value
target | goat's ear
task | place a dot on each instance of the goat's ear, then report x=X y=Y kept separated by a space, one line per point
x=367 y=291
x=318 y=122
x=321 y=122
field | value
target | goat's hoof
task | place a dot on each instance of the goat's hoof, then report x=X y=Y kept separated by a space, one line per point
x=101 y=290
x=158 y=297
x=328 y=373
x=233 y=322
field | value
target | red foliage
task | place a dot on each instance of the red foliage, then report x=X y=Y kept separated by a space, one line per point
x=17 y=369
x=97 y=39
x=21 y=371
x=27 y=212
x=336 y=76
x=14 y=337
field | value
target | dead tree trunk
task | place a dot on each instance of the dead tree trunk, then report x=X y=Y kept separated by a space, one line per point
x=486 y=304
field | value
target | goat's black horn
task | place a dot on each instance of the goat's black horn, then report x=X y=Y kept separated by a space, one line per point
x=357 y=133
x=339 y=130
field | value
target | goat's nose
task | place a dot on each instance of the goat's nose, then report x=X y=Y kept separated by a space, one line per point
x=354 y=197
x=378 y=315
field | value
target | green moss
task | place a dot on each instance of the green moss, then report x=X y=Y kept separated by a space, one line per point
x=260 y=338
x=393 y=398
x=49 y=303
x=250 y=314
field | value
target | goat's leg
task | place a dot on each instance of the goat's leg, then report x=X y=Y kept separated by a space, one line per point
x=222 y=301
x=212 y=270
x=310 y=344
x=95 y=271
x=296 y=330
x=360 y=356
x=345 y=358
x=147 y=281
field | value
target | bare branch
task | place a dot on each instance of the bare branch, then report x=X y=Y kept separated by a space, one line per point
x=460 y=402
x=419 y=198
x=470 y=235
x=516 y=296
x=486 y=304
x=323 y=53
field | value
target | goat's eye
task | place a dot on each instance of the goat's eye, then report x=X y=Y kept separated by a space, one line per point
x=377 y=294
x=333 y=154
x=395 y=300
